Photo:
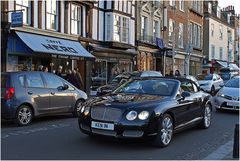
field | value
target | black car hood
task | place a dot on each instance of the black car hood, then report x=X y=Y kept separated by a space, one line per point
x=124 y=101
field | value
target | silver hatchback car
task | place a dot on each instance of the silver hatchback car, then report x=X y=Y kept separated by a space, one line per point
x=25 y=95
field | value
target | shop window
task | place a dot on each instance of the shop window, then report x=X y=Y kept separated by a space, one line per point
x=34 y=80
x=99 y=74
x=25 y=6
x=52 y=14
x=53 y=81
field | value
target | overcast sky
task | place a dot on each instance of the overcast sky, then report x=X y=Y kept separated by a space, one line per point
x=235 y=3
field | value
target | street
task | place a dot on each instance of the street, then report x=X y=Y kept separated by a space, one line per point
x=58 y=137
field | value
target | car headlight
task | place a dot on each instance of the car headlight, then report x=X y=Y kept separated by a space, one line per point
x=132 y=115
x=221 y=95
x=86 y=111
x=143 y=115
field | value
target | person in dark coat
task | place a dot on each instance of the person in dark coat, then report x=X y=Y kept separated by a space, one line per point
x=59 y=71
x=177 y=73
x=79 y=79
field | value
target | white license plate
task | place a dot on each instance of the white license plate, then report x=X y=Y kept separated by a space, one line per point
x=101 y=125
x=233 y=103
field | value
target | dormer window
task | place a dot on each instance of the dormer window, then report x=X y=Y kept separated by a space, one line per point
x=209 y=7
x=218 y=12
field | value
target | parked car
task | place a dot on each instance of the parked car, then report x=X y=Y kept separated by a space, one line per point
x=228 y=73
x=228 y=97
x=210 y=83
x=142 y=107
x=122 y=78
x=25 y=95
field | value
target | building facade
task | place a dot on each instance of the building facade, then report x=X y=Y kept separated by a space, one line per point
x=54 y=33
x=149 y=27
x=184 y=36
x=113 y=32
x=218 y=37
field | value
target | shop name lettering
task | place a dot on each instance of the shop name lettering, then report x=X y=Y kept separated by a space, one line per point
x=57 y=46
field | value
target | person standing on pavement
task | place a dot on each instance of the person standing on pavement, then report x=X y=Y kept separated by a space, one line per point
x=78 y=78
x=59 y=71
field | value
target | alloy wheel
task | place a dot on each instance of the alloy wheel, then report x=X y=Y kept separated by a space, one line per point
x=24 y=116
x=207 y=116
x=167 y=129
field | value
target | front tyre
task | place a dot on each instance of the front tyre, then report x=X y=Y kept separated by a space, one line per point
x=165 y=131
x=77 y=108
x=24 y=115
x=207 y=116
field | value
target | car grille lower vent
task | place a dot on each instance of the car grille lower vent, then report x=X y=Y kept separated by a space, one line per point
x=106 y=114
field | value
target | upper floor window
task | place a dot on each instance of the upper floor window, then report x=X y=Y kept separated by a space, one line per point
x=156 y=29
x=213 y=52
x=212 y=29
x=195 y=35
x=181 y=5
x=172 y=2
x=209 y=7
x=221 y=53
x=25 y=6
x=76 y=19
x=180 y=38
x=228 y=18
x=171 y=29
x=125 y=29
x=121 y=29
x=144 y=27
x=52 y=14
x=220 y=32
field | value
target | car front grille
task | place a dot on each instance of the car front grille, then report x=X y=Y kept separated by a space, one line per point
x=106 y=114
x=232 y=98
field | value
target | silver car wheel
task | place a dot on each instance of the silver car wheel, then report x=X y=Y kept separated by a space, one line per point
x=24 y=115
x=167 y=129
x=207 y=116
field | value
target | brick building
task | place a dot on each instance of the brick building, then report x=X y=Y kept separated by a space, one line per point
x=184 y=36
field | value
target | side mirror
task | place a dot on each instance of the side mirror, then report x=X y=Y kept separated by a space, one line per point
x=214 y=79
x=185 y=94
x=65 y=87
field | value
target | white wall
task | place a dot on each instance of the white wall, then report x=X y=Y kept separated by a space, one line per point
x=215 y=40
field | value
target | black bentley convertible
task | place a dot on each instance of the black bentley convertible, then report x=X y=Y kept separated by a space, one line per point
x=142 y=107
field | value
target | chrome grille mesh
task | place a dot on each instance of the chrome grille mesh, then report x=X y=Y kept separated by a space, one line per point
x=106 y=114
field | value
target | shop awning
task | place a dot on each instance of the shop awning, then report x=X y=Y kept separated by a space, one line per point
x=52 y=45
x=222 y=63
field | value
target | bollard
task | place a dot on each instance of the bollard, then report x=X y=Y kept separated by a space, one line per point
x=236 y=142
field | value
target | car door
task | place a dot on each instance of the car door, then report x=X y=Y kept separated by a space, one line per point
x=60 y=100
x=193 y=101
x=36 y=92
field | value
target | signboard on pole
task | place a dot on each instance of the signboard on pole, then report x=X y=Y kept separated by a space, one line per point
x=17 y=19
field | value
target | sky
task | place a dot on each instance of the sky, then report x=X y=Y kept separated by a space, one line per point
x=235 y=3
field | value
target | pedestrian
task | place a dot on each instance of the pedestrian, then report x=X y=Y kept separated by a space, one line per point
x=78 y=78
x=171 y=74
x=45 y=69
x=40 y=68
x=59 y=71
x=177 y=73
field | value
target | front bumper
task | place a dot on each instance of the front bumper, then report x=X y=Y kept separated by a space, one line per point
x=223 y=103
x=122 y=128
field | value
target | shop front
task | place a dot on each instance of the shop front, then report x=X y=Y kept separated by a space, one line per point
x=108 y=64
x=195 y=66
x=27 y=51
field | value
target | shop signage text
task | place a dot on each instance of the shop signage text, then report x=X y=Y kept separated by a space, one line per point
x=58 y=46
x=17 y=19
